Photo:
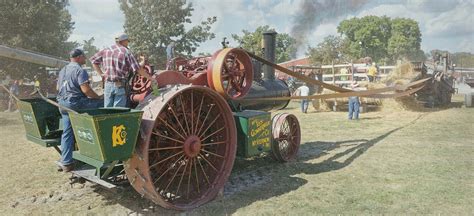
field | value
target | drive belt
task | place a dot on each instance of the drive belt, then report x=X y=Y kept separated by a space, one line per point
x=298 y=75
x=401 y=90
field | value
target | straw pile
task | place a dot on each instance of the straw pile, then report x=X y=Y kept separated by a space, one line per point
x=401 y=75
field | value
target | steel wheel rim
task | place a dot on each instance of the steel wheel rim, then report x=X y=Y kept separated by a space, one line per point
x=190 y=152
x=286 y=137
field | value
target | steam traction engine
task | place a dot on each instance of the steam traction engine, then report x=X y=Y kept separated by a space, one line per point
x=176 y=147
x=190 y=133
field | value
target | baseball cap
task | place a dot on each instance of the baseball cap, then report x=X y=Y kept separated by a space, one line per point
x=76 y=53
x=122 y=37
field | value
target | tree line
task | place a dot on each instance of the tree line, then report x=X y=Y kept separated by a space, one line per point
x=45 y=26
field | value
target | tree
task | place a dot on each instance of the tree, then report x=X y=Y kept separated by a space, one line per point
x=89 y=49
x=463 y=59
x=152 y=25
x=331 y=49
x=42 y=26
x=252 y=42
x=405 y=40
x=368 y=35
x=382 y=38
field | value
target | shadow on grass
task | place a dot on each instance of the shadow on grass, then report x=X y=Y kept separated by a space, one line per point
x=278 y=178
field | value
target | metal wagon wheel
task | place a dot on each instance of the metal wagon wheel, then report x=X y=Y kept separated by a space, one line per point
x=286 y=137
x=186 y=149
x=230 y=72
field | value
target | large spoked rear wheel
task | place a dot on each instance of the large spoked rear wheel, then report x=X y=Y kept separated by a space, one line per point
x=186 y=148
x=286 y=137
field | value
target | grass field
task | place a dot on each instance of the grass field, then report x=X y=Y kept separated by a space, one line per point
x=388 y=162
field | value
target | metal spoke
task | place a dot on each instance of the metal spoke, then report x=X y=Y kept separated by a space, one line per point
x=205 y=118
x=204 y=172
x=169 y=126
x=169 y=168
x=222 y=128
x=196 y=172
x=184 y=112
x=161 y=135
x=176 y=118
x=165 y=148
x=212 y=153
x=229 y=81
x=214 y=143
x=212 y=123
x=171 y=181
x=192 y=112
x=180 y=152
x=199 y=114
x=189 y=177
x=182 y=176
x=210 y=164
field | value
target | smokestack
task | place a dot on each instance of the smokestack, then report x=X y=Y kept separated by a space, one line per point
x=269 y=44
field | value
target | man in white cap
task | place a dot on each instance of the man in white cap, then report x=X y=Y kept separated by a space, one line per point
x=117 y=61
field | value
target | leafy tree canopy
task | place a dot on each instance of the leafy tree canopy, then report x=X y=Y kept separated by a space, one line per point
x=333 y=49
x=382 y=38
x=42 y=26
x=152 y=25
x=252 y=41
x=90 y=49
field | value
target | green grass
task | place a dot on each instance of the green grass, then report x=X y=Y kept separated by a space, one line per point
x=389 y=162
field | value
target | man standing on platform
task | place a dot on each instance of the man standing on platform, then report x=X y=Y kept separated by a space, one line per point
x=117 y=61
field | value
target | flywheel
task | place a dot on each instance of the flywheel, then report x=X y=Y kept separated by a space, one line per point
x=230 y=72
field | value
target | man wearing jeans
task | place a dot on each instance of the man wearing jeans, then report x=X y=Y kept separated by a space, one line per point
x=74 y=92
x=304 y=91
x=354 y=103
x=117 y=60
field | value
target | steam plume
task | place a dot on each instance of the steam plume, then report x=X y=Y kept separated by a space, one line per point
x=314 y=12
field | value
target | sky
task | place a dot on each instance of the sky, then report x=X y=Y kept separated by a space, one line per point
x=445 y=24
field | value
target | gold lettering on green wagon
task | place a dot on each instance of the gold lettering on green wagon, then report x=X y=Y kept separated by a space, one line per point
x=260 y=133
x=119 y=135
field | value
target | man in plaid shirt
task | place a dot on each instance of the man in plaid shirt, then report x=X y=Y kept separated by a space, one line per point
x=117 y=61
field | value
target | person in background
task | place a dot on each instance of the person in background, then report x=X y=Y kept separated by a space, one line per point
x=372 y=72
x=36 y=85
x=170 y=50
x=170 y=55
x=14 y=91
x=303 y=91
x=74 y=92
x=117 y=60
x=354 y=102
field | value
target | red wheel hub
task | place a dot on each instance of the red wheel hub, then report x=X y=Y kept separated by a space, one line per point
x=192 y=146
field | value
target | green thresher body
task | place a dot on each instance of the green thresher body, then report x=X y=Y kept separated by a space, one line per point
x=42 y=121
x=106 y=134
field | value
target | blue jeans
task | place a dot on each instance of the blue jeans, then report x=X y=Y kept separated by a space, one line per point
x=304 y=105
x=354 y=107
x=114 y=96
x=67 y=138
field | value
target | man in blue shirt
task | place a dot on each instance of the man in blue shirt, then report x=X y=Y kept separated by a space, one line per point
x=74 y=92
